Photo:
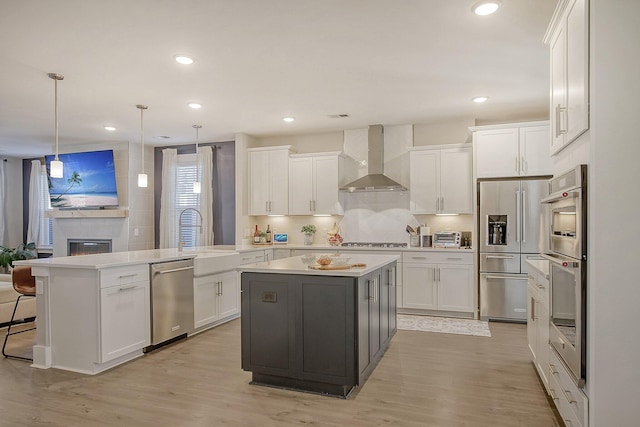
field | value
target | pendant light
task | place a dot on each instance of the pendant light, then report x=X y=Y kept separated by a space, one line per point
x=142 y=177
x=56 y=165
x=196 y=184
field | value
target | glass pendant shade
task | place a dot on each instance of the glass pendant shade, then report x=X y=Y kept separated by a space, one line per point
x=56 y=169
x=142 y=180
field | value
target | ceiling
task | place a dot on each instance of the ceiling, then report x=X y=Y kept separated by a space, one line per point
x=256 y=61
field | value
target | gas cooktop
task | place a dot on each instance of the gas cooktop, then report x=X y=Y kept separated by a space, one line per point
x=374 y=244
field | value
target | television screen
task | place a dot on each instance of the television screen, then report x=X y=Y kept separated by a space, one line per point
x=89 y=180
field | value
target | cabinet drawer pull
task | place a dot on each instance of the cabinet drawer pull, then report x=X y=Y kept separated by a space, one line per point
x=570 y=396
x=552 y=392
x=499 y=256
x=128 y=288
x=418 y=257
x=455 y=259
x=124 y=276
x=552 y=368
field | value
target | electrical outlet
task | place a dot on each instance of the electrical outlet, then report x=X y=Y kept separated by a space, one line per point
x=136 y=231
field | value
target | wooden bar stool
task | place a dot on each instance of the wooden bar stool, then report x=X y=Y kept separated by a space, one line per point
x=25 y=284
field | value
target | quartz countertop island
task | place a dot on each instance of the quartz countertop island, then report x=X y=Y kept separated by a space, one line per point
x=297 y=265
x=321 y=331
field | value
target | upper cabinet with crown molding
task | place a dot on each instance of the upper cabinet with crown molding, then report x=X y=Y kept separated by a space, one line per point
x=269 y=180
x=512 y=150
x=568 y=40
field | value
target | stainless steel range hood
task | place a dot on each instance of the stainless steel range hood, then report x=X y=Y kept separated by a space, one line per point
x=375 y=180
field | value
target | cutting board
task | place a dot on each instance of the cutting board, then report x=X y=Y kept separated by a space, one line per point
x=336 y=267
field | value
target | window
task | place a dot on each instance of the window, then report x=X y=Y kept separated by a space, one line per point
x=185 y=199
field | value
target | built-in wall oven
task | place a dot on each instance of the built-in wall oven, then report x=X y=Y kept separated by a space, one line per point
x=567 y=257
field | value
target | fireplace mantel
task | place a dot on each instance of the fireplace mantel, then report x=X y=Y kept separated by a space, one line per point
x=88 y=213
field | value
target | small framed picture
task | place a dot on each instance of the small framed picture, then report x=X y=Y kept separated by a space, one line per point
x=280 y=238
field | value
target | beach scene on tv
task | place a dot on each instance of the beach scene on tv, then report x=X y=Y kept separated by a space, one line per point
x=89 y=181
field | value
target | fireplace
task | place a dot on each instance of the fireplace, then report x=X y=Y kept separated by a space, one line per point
x=88 y=246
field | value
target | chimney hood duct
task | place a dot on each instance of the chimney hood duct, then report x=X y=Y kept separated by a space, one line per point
x=375 y=180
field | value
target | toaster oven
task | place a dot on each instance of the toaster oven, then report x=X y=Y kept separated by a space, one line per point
x=447 y=239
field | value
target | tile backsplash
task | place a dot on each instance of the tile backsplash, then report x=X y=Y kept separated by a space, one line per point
x=368 y=217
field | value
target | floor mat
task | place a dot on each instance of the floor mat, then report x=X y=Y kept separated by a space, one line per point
x=445 y=325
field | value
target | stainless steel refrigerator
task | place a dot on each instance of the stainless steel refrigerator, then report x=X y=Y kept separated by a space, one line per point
x=512 y=230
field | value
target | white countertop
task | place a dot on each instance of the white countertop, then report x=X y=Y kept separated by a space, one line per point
x=295 y=265
x=542 y=265
x=116 y=259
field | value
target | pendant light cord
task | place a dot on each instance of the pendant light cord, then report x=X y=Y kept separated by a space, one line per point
x=142 y=108
x=56 y=77
x=55 y=80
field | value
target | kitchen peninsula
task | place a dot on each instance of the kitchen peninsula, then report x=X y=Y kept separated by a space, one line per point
x=314 y=330
x=94 y=311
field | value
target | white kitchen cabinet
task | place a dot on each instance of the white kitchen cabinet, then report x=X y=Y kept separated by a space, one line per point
x=538 y=323
x=124 y=319
x=269 y=180
x=441 y=180
x=438 y=281
x=314 y=182
x=216 y=297
x=420 y=286
x=512 y=150
x=568 y=40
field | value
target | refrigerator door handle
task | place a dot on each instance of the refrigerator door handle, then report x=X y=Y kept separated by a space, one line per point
x=523 y=215
x=518 y=216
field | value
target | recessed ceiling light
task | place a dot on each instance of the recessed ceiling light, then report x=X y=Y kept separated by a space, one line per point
x=288 y=119
x=195 y=105
x=486 y=7
x=183 y=59
x=109 y=128
x=479 y=99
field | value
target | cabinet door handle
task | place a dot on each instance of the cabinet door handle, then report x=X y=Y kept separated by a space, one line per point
x=442 y=204
x=563 y=120
x=310 y=208
x=434 y=275
x=533 y=310
x=517 y=165
x=369 y=285
x=437 y=204
x=499 y=256
x=523 y=165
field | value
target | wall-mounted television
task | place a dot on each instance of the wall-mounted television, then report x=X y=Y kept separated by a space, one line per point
x=89 y=181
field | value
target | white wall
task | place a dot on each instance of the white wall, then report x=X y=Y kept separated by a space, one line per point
x=614 y=290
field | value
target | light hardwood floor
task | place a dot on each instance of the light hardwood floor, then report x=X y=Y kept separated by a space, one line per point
x=425 y=379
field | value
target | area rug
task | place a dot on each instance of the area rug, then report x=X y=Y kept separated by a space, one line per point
x=444 y=325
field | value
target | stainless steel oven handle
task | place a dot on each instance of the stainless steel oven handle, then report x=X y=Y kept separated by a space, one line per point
x=566 y=263
x=560 y=195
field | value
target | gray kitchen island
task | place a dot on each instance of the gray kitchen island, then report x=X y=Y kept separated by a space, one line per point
x=320 y=331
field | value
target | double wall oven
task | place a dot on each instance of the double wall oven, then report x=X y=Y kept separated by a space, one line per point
x=567 y=255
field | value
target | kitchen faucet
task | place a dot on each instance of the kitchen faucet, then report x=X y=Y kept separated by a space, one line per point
x=180 y=242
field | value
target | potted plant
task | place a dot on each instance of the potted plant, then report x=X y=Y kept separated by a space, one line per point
x=8 y=255
x=309 y=230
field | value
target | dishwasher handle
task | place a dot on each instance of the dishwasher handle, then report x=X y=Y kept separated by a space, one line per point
x=173 y=270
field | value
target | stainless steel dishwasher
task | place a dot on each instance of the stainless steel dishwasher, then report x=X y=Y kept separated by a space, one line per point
x=171 y=300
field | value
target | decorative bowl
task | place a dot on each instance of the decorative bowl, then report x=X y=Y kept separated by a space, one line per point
x=324 y=260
